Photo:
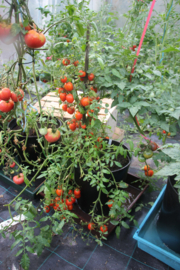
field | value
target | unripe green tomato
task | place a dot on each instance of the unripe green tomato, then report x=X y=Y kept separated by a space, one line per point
x=43 y=131
x=148 y=153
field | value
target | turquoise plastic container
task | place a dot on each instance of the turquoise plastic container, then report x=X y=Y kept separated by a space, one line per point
x=149 y=240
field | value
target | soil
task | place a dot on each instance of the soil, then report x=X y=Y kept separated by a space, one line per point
x=122 y=160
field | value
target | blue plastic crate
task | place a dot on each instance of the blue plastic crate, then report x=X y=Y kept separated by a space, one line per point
x=149 y=240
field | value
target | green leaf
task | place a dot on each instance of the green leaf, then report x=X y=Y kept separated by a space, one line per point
x=136 y=223
x=134 y=110
x=92 y=122
x=118 y=230
x=124 y=224
x=29 y=249
x=81 y=5
x=116 y=73
x=16 y=243
x=44 y=219
x=80 y=29
x=19 y=252
x=171 y=49
x=95 y=28
x=70 y=9
x=114 y=222
x=101 y=63
x=157 y=72
x=105 y=191
x=25 y=261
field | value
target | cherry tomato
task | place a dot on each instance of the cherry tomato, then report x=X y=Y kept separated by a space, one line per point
x=154 y=146
x=47 y=209
x=75 y=63
x=69 y=201
x=64 y=107
x=72 y=126
x=12 y=165
x=64 y=80
x=85 y=101
x=70 y=207
x=146 y=167
x=103 y=228
x=70 y=98
x=78 y=115
x=82 y=73
x=18 y=95
x=91 y=226
x=68 y=86
x=149 y=173
x=77 y=193
x=83 y=126
x=66 y=62
x=59 y=192
x=148 y=153
x=18 y=179
x=70 y=110
x=91 y=77
x=62 y=96
x=164 y=131
x=110 y=205
x=70 y=192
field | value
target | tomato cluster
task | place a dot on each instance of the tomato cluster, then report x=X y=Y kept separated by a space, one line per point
x=148 y=171
x=91 y=226
x=62 y=202
x=146 y=151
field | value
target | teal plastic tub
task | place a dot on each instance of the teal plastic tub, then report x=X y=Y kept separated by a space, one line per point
x=149 y=240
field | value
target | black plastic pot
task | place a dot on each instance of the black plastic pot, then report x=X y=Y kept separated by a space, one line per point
x=168 y=224
x=33 y=147
x=89 y=194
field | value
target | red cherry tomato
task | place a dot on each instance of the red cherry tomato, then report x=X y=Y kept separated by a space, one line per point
x=72 y=126
x=91 y=226
x=91 y=77
x=59 y=192
x=12 y=165
x=60 y=90
x=62 y=96
x=64 y=107
x=110 y=205
x=82 y=73
x=75 y=63
x=18 y=179
x=68 y=86
x=77 y=193
x=18 y=95
x=70 y=207
x=70 y=110
x=103 y=228
x=47 y=209
x=66 y=62
x=70 y=98
x=78 y=115
x=64 y=80
x=85 y=101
